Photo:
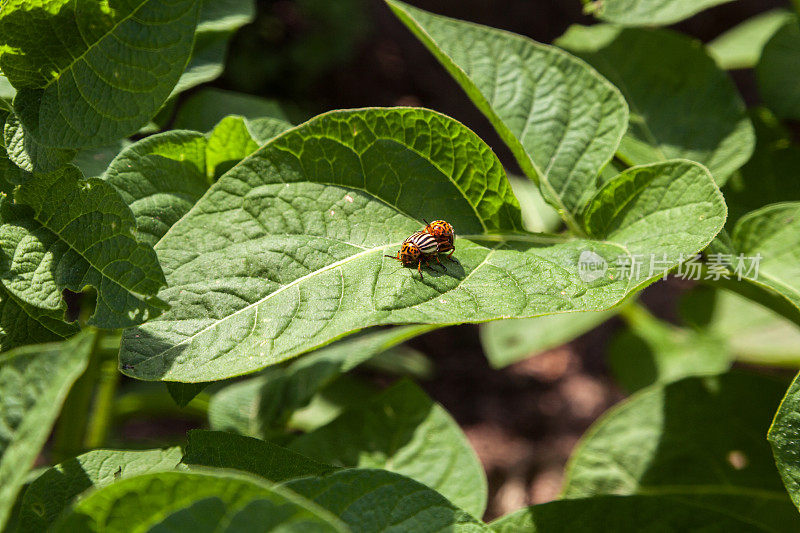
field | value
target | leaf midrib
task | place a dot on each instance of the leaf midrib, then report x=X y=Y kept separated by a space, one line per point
x=277 y=291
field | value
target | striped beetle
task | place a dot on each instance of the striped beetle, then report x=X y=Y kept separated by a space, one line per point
x=417 y=249
x=443 y=233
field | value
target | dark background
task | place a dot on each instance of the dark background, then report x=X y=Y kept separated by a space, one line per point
x=317 y=55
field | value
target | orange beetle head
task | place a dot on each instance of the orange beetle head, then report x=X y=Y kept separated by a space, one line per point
x=409 y=253
x=439 y=228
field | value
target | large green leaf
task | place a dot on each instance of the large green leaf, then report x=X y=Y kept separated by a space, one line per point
x=771 y=175
x=88 y=73
x=206 y=107
x=508 y=341
x=767 y=242
x=262 y=405
x=34 y=381
x=285 y=252
x=638 y=209
x=27 y=153
x=72 y=233
x=751 y=332
x=628 y=514
x=218 y=20
x=404 y=431
x=647 y=12
x=22 y=323
x=160 y=178
x=698 y=440
x=226 y=450
x=741 y=46
x=55 y=489
x=182 y=501
x=343 y=393
x=784 y=436
x=682 y=104
x=653 y=351
x=93 y=162
x=371 y=501
x=561 y=119
x=163 y=176
x=777 y=74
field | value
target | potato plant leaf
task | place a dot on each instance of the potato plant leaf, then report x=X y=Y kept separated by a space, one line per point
x=93 y=162
x=561 y=119
x=637 y=209
x=766 y=253
x=162 y=176
x=87 y=73
x=27 y=153
x=262 y=405
x=341 y=394
x=72 y=233
x=749 y=331
x=653 y=351
x=35 y=381
x=58 y=486
x=771 y=175
x=404 y=431
x=180 y=501
x=272 y=462
x=206 y=107
x=507 y=341
x=285 y=252
x=22 y=323
x=647 y=12
x=783 y=436
x=741 y=46
x=626 y=514
x=183 y=393
x=377 y=500
x=682 y=106
x=218 y=19
x=776 y=71
x=697 y=440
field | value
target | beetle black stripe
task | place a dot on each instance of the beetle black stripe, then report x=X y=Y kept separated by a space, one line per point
x=424 y=241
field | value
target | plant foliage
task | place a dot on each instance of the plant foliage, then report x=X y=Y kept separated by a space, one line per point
x=201 y=240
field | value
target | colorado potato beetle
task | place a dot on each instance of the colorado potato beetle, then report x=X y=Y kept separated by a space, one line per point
x=417 y=249
x=443 y=233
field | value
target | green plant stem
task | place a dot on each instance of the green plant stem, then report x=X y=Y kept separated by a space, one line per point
x=102 y=409
x=635 y=314
x=71 y=428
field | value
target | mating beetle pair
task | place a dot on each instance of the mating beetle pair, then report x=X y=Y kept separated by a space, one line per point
x=436 y=238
